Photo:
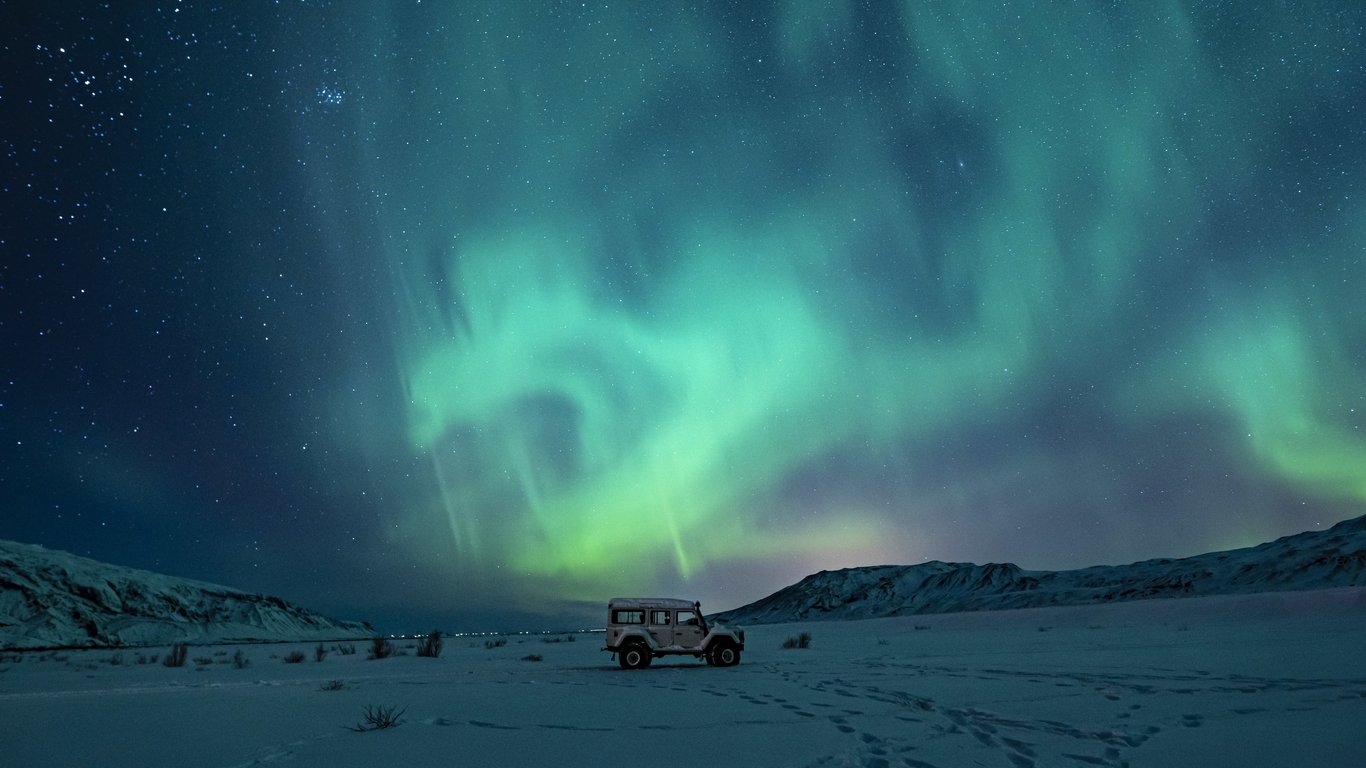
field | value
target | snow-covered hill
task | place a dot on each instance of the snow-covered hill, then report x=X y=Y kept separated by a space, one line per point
x=1313 y=560
x=50 y=598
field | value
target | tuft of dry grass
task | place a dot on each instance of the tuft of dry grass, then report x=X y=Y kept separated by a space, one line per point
x=379 y=718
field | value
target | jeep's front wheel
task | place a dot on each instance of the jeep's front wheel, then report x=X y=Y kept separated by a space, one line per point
x=634 y=656
x=724 y=655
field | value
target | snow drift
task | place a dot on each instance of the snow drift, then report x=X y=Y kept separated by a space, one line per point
x=1306 y=561
x=56 y=599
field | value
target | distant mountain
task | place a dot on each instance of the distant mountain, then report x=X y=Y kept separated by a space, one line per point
x=56 y=599
x=1314 y=560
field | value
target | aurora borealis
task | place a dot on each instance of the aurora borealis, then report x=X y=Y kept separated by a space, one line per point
x=482 y=312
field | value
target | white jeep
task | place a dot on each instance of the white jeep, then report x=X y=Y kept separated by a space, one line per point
x=641 y=628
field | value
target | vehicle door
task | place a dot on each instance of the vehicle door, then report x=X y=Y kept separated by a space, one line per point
x=687 y=629
x=660 y=627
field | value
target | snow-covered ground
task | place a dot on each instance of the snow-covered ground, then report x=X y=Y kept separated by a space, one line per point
x=1247 y=680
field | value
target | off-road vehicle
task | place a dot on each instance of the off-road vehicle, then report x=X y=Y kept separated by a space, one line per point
x=642 y=628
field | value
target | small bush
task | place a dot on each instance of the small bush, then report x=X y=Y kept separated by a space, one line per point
x=294 y=657
x=381 y=648
x=379 y=718
x=345 y=650
x=333 y=685
x=116 y=660
x=240 y=660
x=532 y=657
x=430 y=647
x=499 y=643
x=319 y=653
x=800 y=641
x=177 y=655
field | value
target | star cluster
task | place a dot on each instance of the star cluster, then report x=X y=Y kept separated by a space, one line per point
x=484 y=311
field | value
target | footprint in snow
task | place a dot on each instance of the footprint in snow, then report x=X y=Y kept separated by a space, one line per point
x=495 y=726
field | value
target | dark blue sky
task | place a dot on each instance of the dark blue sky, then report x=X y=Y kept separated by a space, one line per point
x=479 y=314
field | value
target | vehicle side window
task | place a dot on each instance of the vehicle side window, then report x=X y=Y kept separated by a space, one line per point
x=659 y=618
x=687 y=619
x=628 y=617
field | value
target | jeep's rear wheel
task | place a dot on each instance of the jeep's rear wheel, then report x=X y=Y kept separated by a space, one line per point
x=724 y=655
x=634 y=656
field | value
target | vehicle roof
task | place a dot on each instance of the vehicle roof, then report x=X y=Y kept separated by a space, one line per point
x=648 y=602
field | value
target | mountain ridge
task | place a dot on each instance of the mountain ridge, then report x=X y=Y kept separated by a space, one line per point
x=1335 y=557
x=50 y=598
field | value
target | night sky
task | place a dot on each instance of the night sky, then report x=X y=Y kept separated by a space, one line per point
x=474 y=315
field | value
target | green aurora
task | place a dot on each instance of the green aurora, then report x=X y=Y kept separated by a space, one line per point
x=653 y=268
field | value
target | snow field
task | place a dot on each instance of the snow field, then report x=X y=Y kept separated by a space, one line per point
x=1251 y=680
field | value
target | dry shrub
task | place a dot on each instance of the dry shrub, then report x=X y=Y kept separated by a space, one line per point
x=177 y=655
x=381 y=648
x=430 y=646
